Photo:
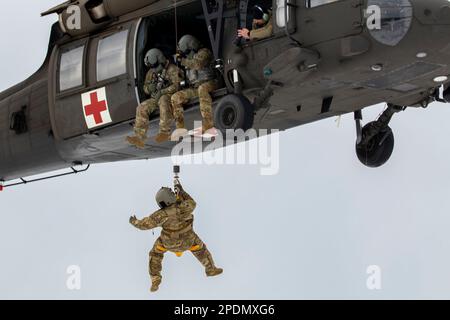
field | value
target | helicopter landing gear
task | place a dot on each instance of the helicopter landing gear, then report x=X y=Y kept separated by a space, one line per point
x=234 y=112
x=375 y=141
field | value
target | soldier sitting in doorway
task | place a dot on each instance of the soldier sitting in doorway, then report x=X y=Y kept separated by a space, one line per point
x=162 y=81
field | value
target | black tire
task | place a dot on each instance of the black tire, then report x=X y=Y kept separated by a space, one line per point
x=234 y=112
x=379 y=149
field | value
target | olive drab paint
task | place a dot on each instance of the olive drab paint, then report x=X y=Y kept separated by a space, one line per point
x=327 y=60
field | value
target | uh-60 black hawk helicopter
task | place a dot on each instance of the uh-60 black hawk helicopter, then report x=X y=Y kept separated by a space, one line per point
x=325 y=58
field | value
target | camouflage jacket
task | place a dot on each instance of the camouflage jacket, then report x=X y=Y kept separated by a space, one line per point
x=176 y=219
x=166 y=82
x=203 y=59
x=199 y=68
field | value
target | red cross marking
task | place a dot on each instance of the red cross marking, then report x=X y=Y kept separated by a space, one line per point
x=95 y=108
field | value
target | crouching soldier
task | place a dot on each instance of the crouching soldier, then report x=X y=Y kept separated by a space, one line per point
x=162 y=81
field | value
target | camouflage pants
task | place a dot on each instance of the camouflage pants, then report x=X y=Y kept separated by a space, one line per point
x=192 y=243
x=147 y=108
x=203 y=92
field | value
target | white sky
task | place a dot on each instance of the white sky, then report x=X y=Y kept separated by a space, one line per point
x=309 y=232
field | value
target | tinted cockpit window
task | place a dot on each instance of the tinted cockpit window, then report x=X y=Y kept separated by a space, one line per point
x=111 y=56
x=71 y=69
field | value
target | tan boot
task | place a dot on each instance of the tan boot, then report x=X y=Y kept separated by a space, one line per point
x=214 y=272
x=137 y=141
x=162 y=137
x=156 y=282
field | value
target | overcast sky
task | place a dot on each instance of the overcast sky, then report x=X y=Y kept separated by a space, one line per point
x=309 y=232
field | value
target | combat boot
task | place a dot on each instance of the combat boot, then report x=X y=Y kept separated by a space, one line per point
x=212 y=272
x=156 y=282
x=162 y=137
x=136 y=141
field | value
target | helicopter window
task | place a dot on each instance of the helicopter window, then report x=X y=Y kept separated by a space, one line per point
x=71 y=69
x=111 y=56
x=317 y=3
x=396 y=19
x=282 y=19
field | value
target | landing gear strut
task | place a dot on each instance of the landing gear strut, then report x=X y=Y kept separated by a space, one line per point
x=375 y=142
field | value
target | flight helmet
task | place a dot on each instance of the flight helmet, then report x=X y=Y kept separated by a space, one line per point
x=155 y=59
x=259 y=13
x=188 y=45
x=165 y=198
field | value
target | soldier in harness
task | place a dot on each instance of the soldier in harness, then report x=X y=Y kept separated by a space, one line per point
x=162 y=81
x=202 y=80
x=177 y=236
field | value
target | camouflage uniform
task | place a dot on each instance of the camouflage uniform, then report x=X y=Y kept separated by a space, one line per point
x=169 y=79
x=202 y=89
x=177 y=236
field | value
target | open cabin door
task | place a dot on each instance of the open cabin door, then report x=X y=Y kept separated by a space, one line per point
x=94 y=83
x=324 y=20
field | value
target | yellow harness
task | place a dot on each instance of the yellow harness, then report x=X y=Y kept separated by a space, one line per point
x=179 y=254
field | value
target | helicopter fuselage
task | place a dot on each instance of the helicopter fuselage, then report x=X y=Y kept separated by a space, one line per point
x=323 y=60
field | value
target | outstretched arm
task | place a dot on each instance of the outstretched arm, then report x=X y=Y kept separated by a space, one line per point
x=262 y=33
x=155 y=220
x=185 y=200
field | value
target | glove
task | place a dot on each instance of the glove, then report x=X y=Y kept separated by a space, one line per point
x=178 y=187
x=157 y=96
x=178 y=57
x=149 y=88
x=133 y=220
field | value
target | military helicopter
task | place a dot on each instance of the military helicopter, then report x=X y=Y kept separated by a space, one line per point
x=325 y=58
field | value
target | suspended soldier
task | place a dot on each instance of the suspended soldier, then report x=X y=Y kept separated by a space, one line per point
x=162 y=81
x=177 y=236
x=201 y=78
